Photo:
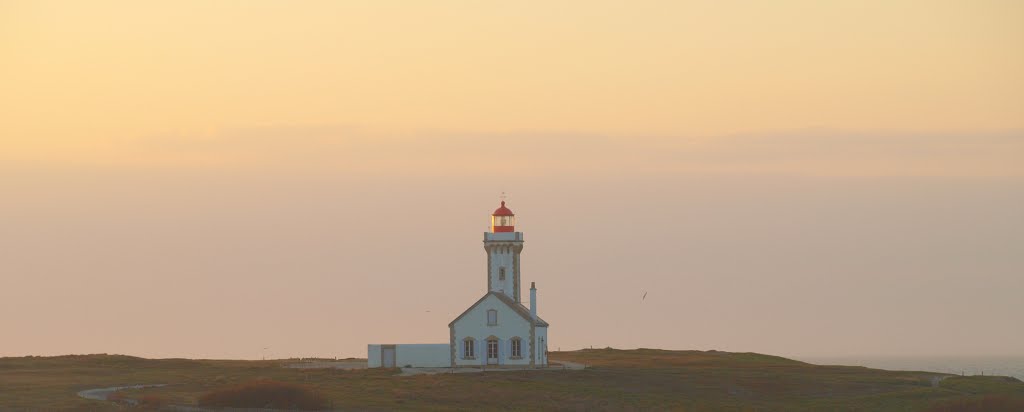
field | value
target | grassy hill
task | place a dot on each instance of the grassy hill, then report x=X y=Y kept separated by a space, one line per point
x=643 y=379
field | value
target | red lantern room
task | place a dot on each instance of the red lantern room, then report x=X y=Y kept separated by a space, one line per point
x=503 y=220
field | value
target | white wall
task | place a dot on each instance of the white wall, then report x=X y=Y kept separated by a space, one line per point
x=424 y=355
x=373 y=356
x=541 y=333
x=502 y=254
x=502 y=258
x=474 y=324
x=416 y=355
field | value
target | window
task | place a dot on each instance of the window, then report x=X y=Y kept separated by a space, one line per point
x=492 y=349
x=517 y=348
x=467 y=348
x=501 y=273
x=492 y=317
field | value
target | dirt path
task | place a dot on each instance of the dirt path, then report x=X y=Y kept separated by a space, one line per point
x=100 y=394
x=328 y=365
x=567 y=365
x=433 y=371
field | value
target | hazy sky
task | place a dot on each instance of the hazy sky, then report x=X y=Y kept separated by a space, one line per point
x=206 y=179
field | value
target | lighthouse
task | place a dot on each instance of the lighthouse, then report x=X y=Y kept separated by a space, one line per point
x=497 y=331
x=503 y=246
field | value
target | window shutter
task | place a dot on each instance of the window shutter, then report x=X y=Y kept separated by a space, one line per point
x=481 y=351
x=501 y=352
x=462 y=349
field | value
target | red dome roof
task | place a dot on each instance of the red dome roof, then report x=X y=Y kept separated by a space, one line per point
x=503 y=211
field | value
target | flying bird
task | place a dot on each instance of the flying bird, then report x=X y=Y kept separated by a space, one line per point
x=644 y=297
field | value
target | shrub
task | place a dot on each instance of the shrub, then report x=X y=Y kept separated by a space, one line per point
x=153 y=401
x=116 y=396
x=265 y=394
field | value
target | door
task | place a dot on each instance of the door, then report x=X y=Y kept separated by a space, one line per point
x=387 y=357
x=492 y=351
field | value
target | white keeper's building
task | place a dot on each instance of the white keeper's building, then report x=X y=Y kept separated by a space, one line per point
x=497 y=330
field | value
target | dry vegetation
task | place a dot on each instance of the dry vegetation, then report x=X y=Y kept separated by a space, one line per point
x=266 y=394
x=983 y=404
x=642 y=379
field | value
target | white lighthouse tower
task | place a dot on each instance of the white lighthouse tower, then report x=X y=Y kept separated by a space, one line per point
x=503 y=245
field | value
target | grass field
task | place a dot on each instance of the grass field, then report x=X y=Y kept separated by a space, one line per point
x=643 y=379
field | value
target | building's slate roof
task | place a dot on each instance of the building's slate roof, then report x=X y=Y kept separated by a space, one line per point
x=516 y=307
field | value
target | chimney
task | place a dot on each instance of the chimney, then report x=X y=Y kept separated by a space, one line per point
x=533 y=301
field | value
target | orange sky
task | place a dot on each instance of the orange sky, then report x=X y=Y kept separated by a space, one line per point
x=858 y=162
x=89 y=76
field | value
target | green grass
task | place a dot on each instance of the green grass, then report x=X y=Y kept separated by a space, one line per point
x=643 y=379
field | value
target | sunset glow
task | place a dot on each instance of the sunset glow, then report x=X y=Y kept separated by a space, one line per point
x=266 y=173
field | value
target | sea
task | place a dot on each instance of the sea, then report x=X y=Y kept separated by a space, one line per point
x=967 y=365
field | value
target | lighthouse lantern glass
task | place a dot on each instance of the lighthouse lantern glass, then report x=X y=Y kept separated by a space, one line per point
x=497 y=221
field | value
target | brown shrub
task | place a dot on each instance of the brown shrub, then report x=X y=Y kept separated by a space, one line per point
x=153 y=401
x=266 y=394
x=993 y=403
